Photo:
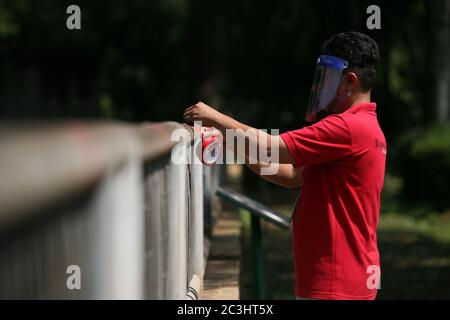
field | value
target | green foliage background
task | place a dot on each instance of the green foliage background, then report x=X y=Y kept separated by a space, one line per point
x=140 y=59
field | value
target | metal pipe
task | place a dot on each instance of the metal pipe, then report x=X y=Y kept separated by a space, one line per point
x=176 y=280
x=67 y=158
x=254 y=207
x=196 y=236
x=258 y=257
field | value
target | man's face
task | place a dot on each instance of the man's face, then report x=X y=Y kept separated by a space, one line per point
x=347 y=88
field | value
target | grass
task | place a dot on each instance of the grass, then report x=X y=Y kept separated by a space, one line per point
x=414 y=245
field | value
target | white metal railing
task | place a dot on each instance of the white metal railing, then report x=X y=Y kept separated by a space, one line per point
x=105 y=199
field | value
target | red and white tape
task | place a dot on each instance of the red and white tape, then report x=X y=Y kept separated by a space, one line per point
x=211 y=144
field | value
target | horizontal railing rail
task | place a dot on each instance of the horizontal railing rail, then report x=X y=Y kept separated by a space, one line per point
x=254 y=207
x=67 y=158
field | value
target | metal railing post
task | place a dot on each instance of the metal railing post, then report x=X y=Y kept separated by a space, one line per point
x=176 y=277
x=258 y=257
x=156 y=219
x=196 y=234
x=117 y=254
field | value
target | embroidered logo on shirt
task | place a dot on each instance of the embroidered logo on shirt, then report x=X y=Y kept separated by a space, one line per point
x=381 y=145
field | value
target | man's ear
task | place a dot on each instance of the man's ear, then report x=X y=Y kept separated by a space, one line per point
x=351 y=82
x=348 y=84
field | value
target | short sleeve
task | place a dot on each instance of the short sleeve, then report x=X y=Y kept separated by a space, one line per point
x=327 y=140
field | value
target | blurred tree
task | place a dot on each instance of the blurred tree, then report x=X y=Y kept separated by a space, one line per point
x=440 y=59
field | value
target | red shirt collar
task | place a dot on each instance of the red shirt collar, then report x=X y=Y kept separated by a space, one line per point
x=364 y=106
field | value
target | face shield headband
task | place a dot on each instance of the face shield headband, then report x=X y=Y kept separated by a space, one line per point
x=326 y=81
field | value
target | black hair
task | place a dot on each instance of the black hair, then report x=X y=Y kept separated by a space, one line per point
x=361 y=52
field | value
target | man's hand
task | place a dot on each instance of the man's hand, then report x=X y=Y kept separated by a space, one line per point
x=201 y=112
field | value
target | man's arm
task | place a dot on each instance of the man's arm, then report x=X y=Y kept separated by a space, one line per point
x=213 y=118
x=287 y=176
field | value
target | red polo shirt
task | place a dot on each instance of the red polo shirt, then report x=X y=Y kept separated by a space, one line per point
x=335 y=219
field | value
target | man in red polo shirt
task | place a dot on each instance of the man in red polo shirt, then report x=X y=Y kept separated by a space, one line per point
x=339 y=164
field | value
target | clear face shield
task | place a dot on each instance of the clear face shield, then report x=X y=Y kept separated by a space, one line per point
x=326 y=81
